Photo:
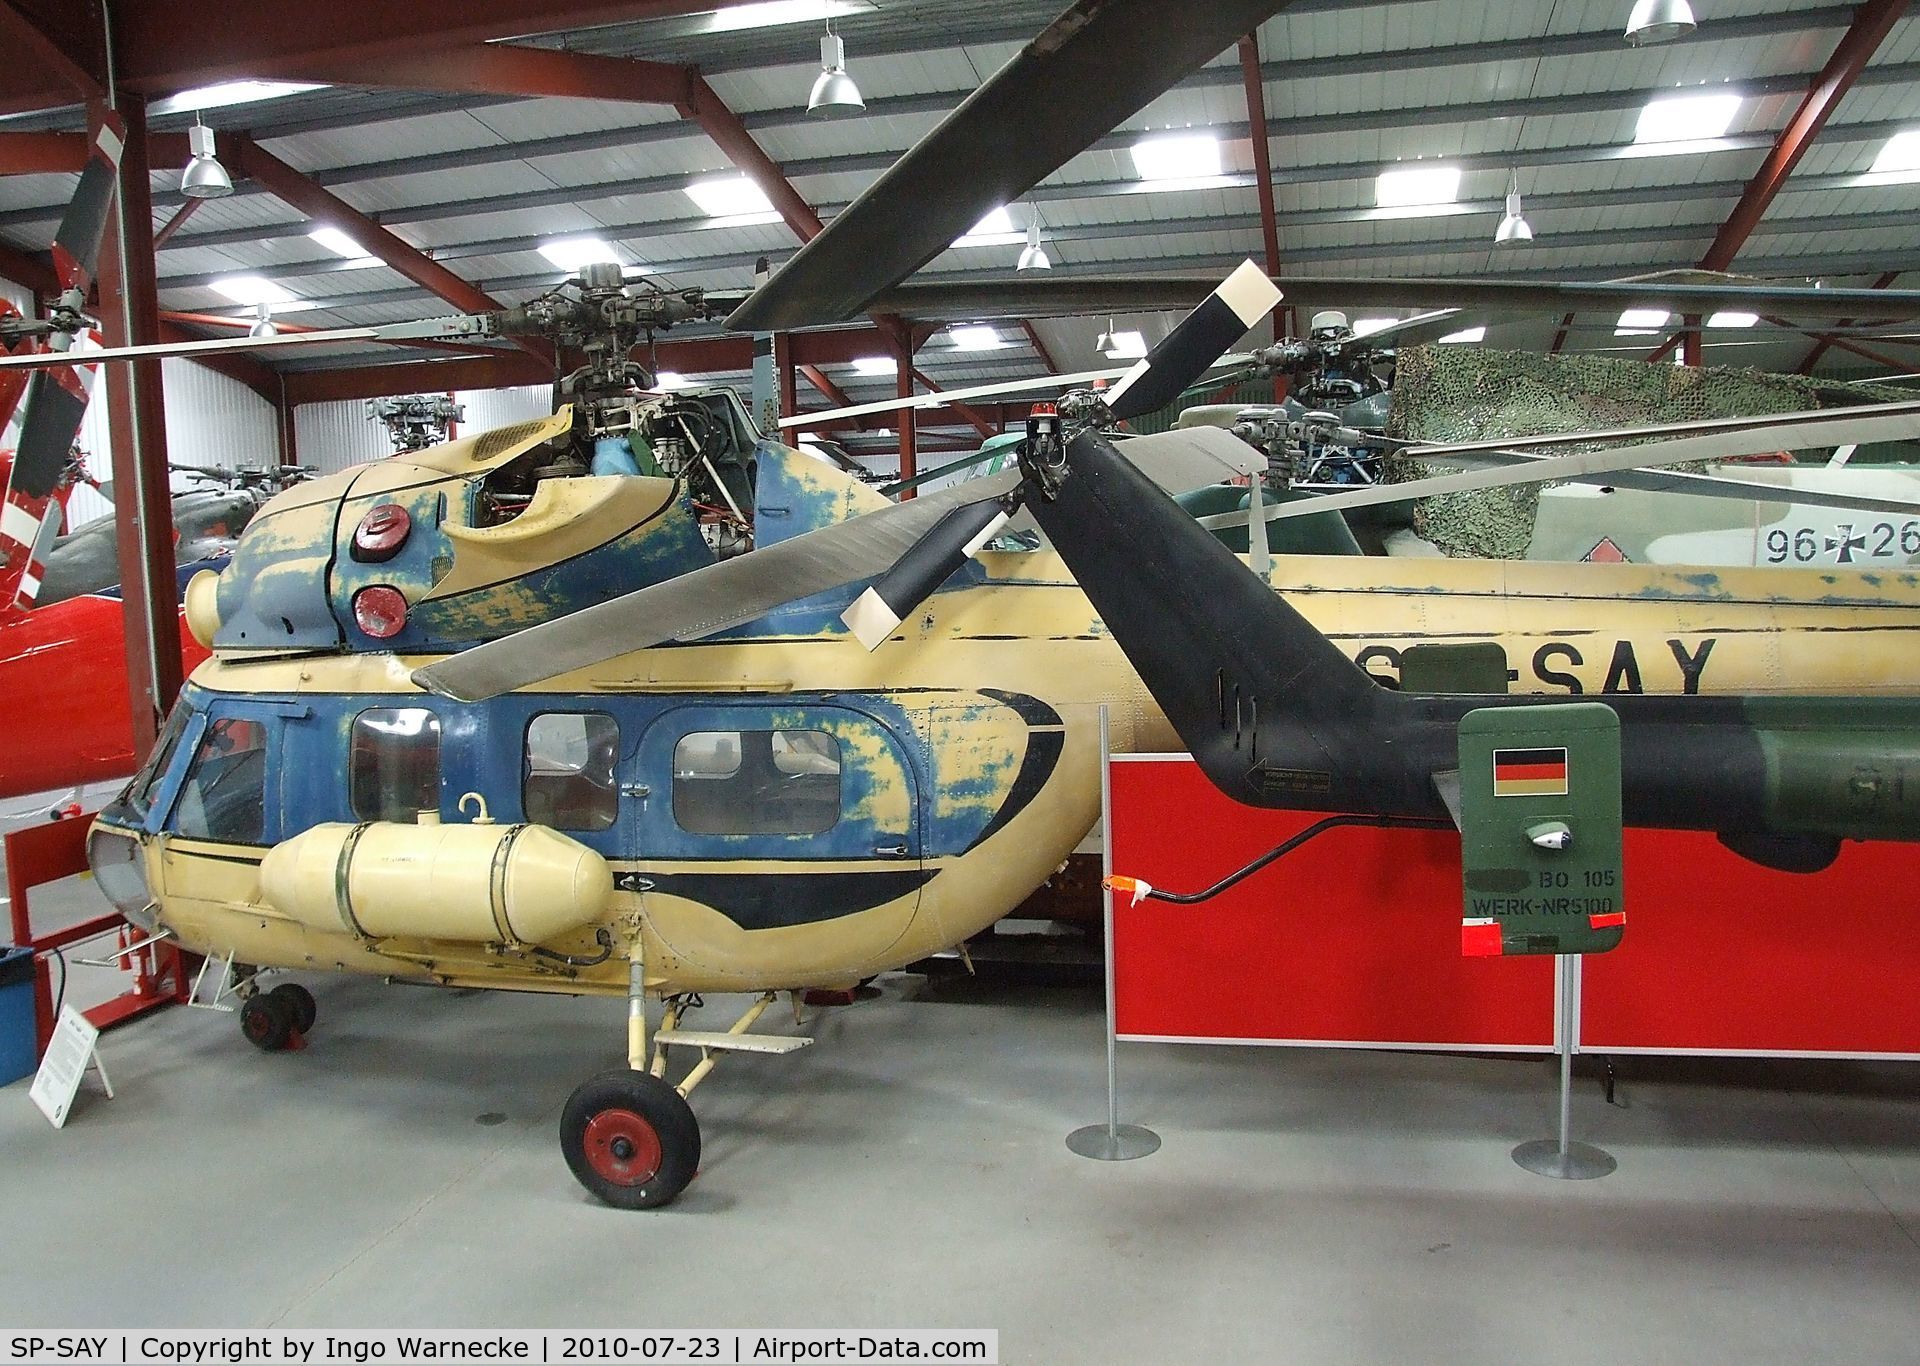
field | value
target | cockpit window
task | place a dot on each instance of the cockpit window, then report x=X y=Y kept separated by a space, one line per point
x=224 y=796
x=393 y=763
x=139 y=793
x=567 y=779
x=756 y=782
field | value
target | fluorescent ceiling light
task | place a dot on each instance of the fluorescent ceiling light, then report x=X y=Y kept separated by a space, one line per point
x=728 y=196
x=337 y=242
x=1417 y=187
x=1685 y=119
x=1177 y=156
x=577 y=253
x=771 y=13
x=1465 y=334
x=1125 y=346
x=975 y=338
x=229 y=93
x=251 y=290
x=1899 y=160
x=995 y=230
x=1641 y=322
x=875 y=365
x=668 y=379
x=1368 y=326
x=1733 y=320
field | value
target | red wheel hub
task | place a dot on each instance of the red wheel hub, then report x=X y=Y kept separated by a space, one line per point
x=622 y=1148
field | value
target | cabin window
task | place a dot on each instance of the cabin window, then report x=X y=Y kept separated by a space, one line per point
x=393 y=763
x=567 y=776
x=140 y=792
x=224 y=795
x=756 y=782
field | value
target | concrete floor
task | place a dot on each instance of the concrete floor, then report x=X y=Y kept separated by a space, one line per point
x=909 y=1171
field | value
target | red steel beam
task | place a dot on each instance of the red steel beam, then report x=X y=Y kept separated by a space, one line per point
x=323 y=206
x=1871 y=23
x=970 y=415
x=61 y=39
x=50 y=153
x=707 y=109
x=1040 y=347
x=504 y=69
x=143 y=511
x=173 y=224
x=1263 y=167
x=33 y=272
x=1878 y=357
x=1820 y=348
x=169 y=45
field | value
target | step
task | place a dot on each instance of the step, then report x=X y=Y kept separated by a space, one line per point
x=734 y=1043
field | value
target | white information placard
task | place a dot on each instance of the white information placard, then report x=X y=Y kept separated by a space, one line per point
x=74 y=1045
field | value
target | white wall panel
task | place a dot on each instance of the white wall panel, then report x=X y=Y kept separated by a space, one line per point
x=339 y=434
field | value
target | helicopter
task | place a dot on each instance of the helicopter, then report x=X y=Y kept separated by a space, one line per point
x=636 y=702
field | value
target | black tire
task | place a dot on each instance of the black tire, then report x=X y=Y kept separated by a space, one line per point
x=267 y=1021
x=630 y=1138
x=301 y=1002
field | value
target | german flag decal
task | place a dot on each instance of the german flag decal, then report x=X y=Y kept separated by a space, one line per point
x=1529 y=772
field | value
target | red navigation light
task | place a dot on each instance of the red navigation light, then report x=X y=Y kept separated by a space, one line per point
x=380 y=611
x=381 y=533
x=1043 y=410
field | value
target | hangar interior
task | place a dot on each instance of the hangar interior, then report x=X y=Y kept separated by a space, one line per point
x=358 y=167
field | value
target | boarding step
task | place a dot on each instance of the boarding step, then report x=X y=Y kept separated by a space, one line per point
x=735 y=1043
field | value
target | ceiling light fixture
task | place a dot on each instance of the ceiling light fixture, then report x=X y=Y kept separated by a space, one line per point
x=1685 y=120
x=1124 y=346
x=1898 y=160
x=1034 y=257
x=994 y=230
x=1734 y=319
x=976 y=337
x=834 y=92
x=1659 y=21
x=228 y=93
x=1411 y=189
x=729 y=196
x=577 y=253
x=205 y=177
x=1177 y=157
x=1641 y=322
x=250 y=290
x=337 y=242
x=1514 y=228
x=875 y=365
x=773 y=13
x=1464 y=336
x=263 y=322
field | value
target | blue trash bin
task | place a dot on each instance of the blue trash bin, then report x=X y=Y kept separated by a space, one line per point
x=17 y=1051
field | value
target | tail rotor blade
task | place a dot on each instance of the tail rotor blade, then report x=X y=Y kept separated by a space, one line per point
x=891 y=598
x=76 y=243
x=1196 y=342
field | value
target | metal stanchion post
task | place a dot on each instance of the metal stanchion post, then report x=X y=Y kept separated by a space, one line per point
x=1112 y=1141
x=1562 y=1157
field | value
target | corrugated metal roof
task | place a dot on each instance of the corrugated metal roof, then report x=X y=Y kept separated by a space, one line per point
x=1540 y=88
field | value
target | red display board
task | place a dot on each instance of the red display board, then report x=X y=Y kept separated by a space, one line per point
x=1354 y=939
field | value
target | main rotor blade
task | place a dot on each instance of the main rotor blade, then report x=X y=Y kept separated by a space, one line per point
x=946 y=396
x=1196 y=342
x=712 y=599
x=1789 y=431
x=458 y=325
x=1095 y=66
x=1056 y=293
x=76 y=242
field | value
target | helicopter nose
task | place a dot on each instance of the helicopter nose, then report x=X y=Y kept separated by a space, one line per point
x=203 y=606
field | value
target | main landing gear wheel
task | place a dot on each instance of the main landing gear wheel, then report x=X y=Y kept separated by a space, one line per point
x=630 y=1138
x=300 y=1000
x=267 y=1019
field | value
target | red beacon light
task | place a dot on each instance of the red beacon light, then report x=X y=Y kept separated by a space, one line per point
x=380 y=610
x=381 y=533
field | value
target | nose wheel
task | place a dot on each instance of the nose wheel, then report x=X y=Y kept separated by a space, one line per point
x=630 y=1138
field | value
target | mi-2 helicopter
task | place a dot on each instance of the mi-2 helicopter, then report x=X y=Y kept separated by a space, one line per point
x=489 y=716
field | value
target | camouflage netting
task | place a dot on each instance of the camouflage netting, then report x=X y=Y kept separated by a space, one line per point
x=1460 y=393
